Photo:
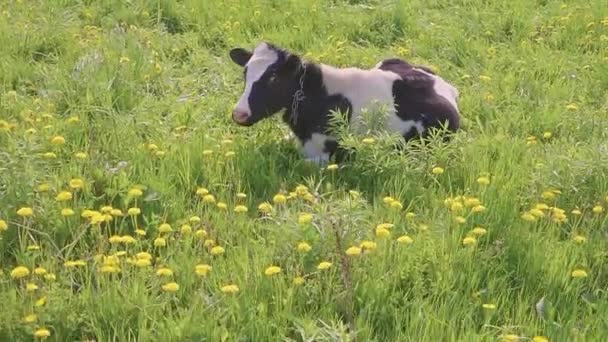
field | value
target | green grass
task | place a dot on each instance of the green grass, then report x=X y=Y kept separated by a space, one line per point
x=145 y=72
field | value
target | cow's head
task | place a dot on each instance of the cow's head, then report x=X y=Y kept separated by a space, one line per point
x=271 y=79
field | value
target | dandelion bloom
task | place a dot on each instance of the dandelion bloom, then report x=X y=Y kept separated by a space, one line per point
x=404 y=239
x=140 y=232
x=579 y=239
x=382 y=232
x=222 y=205
x=50 y=277
x=44 y=187
x=31 y=318
x=469 y=241
x=272 y=270
x=185 y=229
x=143 y=255
x=80 y=155
x=42 y=333
x=478 y=208
x=164 y=272
x=547 y=135
x=209 y=243
x=134 y=211
x=479 y=231
x=410 y=215
x=279 y=199
x=110 y=269
x=240 y=209
x=304 y=247
x=460 y=220
x=472 y=202
x=396 y=205
x=483 y=181
x=25 y=212
x=537 y=212
x=160 y=242
x=332 y=167
x=49 y=155
x=353 y=251
x=576 y=212
x=540 y=339
x=324 y=265
x=20 y=272
x=305 y=218
x=368 y=245
x=217 y=250
x=456 y=206
x=209 y=199
x=265 y=207
x=368 y=141
x=511 y=338
x=354 y=194
x=388 y=200
x=201 y=233
x=572 y=106
x=76 y=183
x=528 y=217
x=135 y=192
x=598 y=209
x=142 y=262
x=58 y=140
x=165 y=228
x=67 y=212
x=115 y=239
x=195 y=219
x=3 y=226
x=170 y=287
x=386 y=226
x=241 y=195
x=579 y=273
x=489 y=306
x=202 y=191
x=74 y=263
x=116 y=212
x=298 y=281
x=437 y=170
x=229 y=289
x=40 y=271
x=202 y=269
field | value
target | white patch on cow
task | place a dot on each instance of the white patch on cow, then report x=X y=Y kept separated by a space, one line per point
x=314 y=149
x=263 y=57
x=443 y=88
x=404 y=126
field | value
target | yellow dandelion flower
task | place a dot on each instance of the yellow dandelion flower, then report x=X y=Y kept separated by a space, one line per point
x=578 y=273
x=324 y=265
x=67 y=212
x=230 y=154
x=396 y=205
x=279 y=199
x=301 y=190
x=160 y=242
x=437 y=170
x=572 y=107
x=115 y=239
x=31 y=287
x=576 y=212
x=127 y=239
x=40 y=271
x=209 y=199
x=382 y=232
x=135 y=192
x=202 y=191
x=353 y=251
x=142 y=262
x=222 y=205
x=31 y=318
x=528 y=217
x=58 y=140
x=469 y=241
x=579 y=239
x=164 y=272
x=116 y=212
x=195 y=220
x=201 y=233
x=25 y=212
x=134 y=211
x=109 y=269
x=240 y=209
x=388 y=200
x=106 y=209
x=209 y=243
x=50 y=277
x=298 y=281
x=170 y=287
x=165 y=228
x=3 y=226
x=44 y=187
x=479 y=231
x=265 y=207
x=185 y=229
x=405 y=239
x=537 y=212
x=456 y=206
x=472 y=202
x=368 y=245
x=305 y=218
x=20 y=272
x=80 y=155
x=202 y=270
x=76 y=183
x=304 y=247
x=49 y=155
x=478 y=208
x=332 y=167
x=484 y=181
x=140 y=232
x=229 y=289
x=217 y=250
x=489 y=306
x=354 y=194
x=547 y=135
x=33 y=248
x=540 y=339
x=368 y=141
x=598 y=209
x=460 y=220
x=241 y=195
x=143 y=255
x=272 y=270
x=42 y=333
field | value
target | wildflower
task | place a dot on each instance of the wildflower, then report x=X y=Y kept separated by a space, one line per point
x=115 y=239
x=135 y=192
x=548 y=195
x=44 y=187
x=479 y=231
x=385 y=226
x=511 y=338
x=547 y=135
x=143 y=255
x=324 y=265
x=489 y=306
x=579 y=239
x=240 y=209
x=241 y=195
x=382 y=232
x=483 y=181
x=229 y=289
x=456 y=206
x=67 y=212
x=423 y=227
x=165 y=228
x=354 y=194
x=396 y=205
x=410 y=215
x=3 y=226
x=31 y=318
x=388 y=200
x=202 y=191
x=304 y=247
x=50 y=277
x=185 y=229
x=404 y=239
x=134 y=211
x=460 y=220
x=195 y=219
x=301 y=190
x=305 y=218
x=368 y=141
x=160 y=242
x=110 y=269
x=207 y=152
x=222 y=205
x=20 y=272
x=298 y=281
x=230 y=154
x=217 y=250
x=353 y=251
x=209 y=243
x=209 y=199
x=31 y=287
x=576 y=212
x=170 y=287
x=279 y=199
x=74 y=263
x=25 y=212
x=140 y=232
x=143 y=262
x=469 y=241
x=528 y=217
x=437 y=170
x=40 y=271
x=202 y=269
x=106 y=209
x=42 y=333
x=58 y=140
x=485 y=78
x=265 y=207
x=537 y=212
x=76 y=183
x=40 y=302
x=33 y=248
x=332 y=167
x=578 y=273
x=73 y=119
x=116 y=212
x=49 y=155
x=598 y=209
x=80 y=155
x=540 y=339
x=572 y=107
x=164 y=272
x=124 y=60
x=272 y=270
x=472 y=202
x=368 y=245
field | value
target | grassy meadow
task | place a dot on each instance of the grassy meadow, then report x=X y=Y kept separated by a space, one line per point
x=132 y=208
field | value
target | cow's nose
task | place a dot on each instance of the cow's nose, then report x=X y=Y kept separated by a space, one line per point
x=240 y=116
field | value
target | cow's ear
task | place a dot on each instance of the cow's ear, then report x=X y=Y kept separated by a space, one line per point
x=292 y=64
x=240 y=56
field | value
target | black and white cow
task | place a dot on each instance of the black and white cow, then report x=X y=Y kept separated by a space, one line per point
x=276 y=79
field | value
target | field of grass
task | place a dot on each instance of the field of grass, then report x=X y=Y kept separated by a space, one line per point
x=133 y=209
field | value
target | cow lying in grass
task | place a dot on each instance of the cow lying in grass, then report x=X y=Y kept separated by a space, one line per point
x=276 y=79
